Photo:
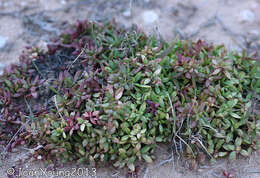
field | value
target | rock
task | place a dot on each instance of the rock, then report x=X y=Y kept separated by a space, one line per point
x=247 y=16
x=3 y=41
x=150 y=17
x=39 y=157
x=63 y=2
x=127 y=13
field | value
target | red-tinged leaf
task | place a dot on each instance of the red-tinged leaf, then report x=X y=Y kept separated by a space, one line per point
x=152 y=107
x=201 y=158
x=13 y=144
x=76 y=47
x=86 y=114
x=92 y=120
x=225 y=173
x=119 y=93
x=93 y=85
x=6 y=112
x=52 y=48
x=33 y=89
x=193 y=124
x=28 y=96
x=180 y=58
x=77 y=75
x=16 y=95
x=207 y=46
x=85 y=97
x=67 y=32
x=35 y=95
x=207 y=84
x=158 y=60
x=229 y=61
x=61 y=76
x=180 y=109
x=177 y=104
x=187 y=75
x=198 y=45
x=216 y=71
x=78 y=104
x=66 y=129
x=71 y=124
x=76 y=127
x=187 y=59
x=95 y=113
x=77 y=115
x=99 y=122
x=71 y=131
x=42 y=81
x=23 y=142
x=36 y=80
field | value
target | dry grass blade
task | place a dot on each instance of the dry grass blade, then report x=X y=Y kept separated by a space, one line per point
x=9 y=143
x=200 y=142
x=82 y=51
x=174 y=127
x=19 y=130
x=56 y=105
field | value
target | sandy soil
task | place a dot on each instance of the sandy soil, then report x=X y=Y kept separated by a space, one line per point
x=234 y=23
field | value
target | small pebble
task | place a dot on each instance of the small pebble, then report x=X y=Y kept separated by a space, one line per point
x=39 y=157
x=247 y=16
x=127 y=13
x=63 y=2
x=150 y=17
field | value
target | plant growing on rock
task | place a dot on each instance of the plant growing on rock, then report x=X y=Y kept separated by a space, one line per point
x=103 y=93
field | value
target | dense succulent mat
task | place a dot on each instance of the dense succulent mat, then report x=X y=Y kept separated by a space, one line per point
x=105 y=94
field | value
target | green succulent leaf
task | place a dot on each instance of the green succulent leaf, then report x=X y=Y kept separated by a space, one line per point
x=235 y=115
x=238 y=141
x=232 y=155
x=147 y=158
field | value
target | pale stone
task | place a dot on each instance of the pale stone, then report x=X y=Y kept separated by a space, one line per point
x=127 y=13
x=150 y=17
x=247 y=16
x=63 y=2
x=39 y=157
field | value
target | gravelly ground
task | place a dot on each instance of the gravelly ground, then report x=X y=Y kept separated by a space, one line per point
x=234 y=23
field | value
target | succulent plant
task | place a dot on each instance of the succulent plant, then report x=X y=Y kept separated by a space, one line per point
x=106 y=94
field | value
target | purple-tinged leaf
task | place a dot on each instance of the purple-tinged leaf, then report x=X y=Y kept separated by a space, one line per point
x=207 y=83
x=34 y=94
x=152 y=107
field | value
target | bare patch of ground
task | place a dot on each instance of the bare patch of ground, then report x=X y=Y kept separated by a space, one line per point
x=234 y=23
